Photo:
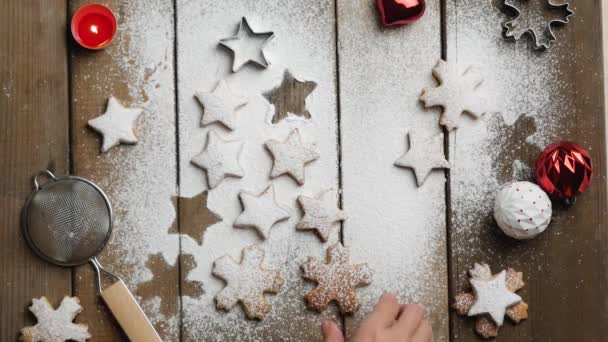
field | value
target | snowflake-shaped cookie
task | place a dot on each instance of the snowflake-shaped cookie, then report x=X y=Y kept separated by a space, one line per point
x=535 y=17
x=220 y=159
x=456 y=93
x=336 y=279
x=246 y=282
x=260 y=211
x=290 y=156
x=220 y=105
x=116 y=125
x=55 y=325
x=320 y=214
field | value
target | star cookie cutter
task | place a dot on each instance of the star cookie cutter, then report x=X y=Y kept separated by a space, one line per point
x=544 y=38
x=244 y=24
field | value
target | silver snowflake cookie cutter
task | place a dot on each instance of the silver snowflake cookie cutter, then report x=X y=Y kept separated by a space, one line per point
x=542 y=34
x=262 y=60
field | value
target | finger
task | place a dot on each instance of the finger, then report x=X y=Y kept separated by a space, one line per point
x=409 y=320
x=331 y=332
x=385 y=312
x=424 y=333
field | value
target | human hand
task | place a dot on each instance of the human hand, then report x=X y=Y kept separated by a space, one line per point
x=390 y=321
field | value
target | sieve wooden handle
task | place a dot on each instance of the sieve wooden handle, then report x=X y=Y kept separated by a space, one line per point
x=129 y=314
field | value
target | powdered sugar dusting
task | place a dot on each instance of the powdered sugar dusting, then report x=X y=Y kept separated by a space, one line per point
x=303 y=43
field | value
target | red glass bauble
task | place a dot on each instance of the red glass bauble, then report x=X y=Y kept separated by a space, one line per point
x=564 y=170
x=401 y=12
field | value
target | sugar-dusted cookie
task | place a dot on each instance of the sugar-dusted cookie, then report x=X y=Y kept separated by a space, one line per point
x=55 y=325
x=492 y=297
x=320 y=214
x=220 y=159
x=486 y=327
x=336 y=279
x=220 y=105
x=246 y=282
x=116 y=125
x=260 y=211
x=290 y=156
x=456 y=93
x=424 y=155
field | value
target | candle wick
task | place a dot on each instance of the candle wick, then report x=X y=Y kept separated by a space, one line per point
x=94 y=29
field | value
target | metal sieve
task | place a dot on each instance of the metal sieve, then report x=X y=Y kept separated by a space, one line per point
x=67 y=221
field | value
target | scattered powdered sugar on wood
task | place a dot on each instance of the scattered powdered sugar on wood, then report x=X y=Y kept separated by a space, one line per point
x=303 y=43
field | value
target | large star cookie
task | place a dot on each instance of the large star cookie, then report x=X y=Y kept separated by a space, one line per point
x=247 y=46
x=55 y=325
x=290 y=156
x=320 y=214
x=456 y=93
x=116 y=125
x=424 y=155
x=493 y=297
x=246 y=282
x=337 y=280
x=220 y=159
x=290 y=97
x=260 y=211
x=220 y=105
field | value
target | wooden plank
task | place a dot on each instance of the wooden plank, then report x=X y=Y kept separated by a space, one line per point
x=305 y=44
x=394 y=226
x=34 y=121
x=140 y=180
x=560 y=91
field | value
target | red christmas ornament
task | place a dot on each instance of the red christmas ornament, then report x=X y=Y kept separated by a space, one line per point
x=564 y=170
x=401 y=12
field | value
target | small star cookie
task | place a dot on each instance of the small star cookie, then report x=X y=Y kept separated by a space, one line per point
x=246 y=282
x=336 y=279
x=424 y=155
x=290 y=156
x=260 y=211
x=320 y=214
x=116 y=124
x=220 y=159
x=55 y=325
x=220 y=105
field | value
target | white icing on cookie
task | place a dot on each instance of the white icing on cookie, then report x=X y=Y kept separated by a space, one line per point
x=321 y=214
x=55 y=325
x=493 y=297
x=246 y=282
x=290 y=156
x=116 y=125
x=220 y=159
x=220 y=105
x=260 y=211
x=456 y=93
x=424 y=155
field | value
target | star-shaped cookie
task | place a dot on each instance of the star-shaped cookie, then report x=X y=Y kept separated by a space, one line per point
x=260 y=211
x=290 y=97
x=290 y=156
x=424 y=155
x=320 y=214
x=116 y=124
x=220 y=159
x=247 y=46
x=493 y=297
x=220 y=105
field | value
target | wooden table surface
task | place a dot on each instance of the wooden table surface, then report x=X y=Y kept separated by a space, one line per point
x=419 y=241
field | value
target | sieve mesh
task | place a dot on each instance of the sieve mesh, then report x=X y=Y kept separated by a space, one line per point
x=68 y=221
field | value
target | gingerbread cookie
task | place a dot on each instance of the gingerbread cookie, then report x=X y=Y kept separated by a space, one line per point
x=220 y=105
x=116 y=125
x=320 y=214
x=55 y=325
x=260 y=211
x=336 y=279
x=290 y=156
x=220 y=159
x=246 y=282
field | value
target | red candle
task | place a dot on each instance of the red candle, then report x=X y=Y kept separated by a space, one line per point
x=93 y=26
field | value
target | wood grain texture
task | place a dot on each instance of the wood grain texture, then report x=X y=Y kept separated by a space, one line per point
x=34 y=125
x=304 y=43
x=393 y=225
x=559 y=95
x=140 y=180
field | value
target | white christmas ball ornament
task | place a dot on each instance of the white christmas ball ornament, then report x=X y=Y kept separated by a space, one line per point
x=522 y=210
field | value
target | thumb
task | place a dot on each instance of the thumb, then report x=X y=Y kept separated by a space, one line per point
x=331 y=332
